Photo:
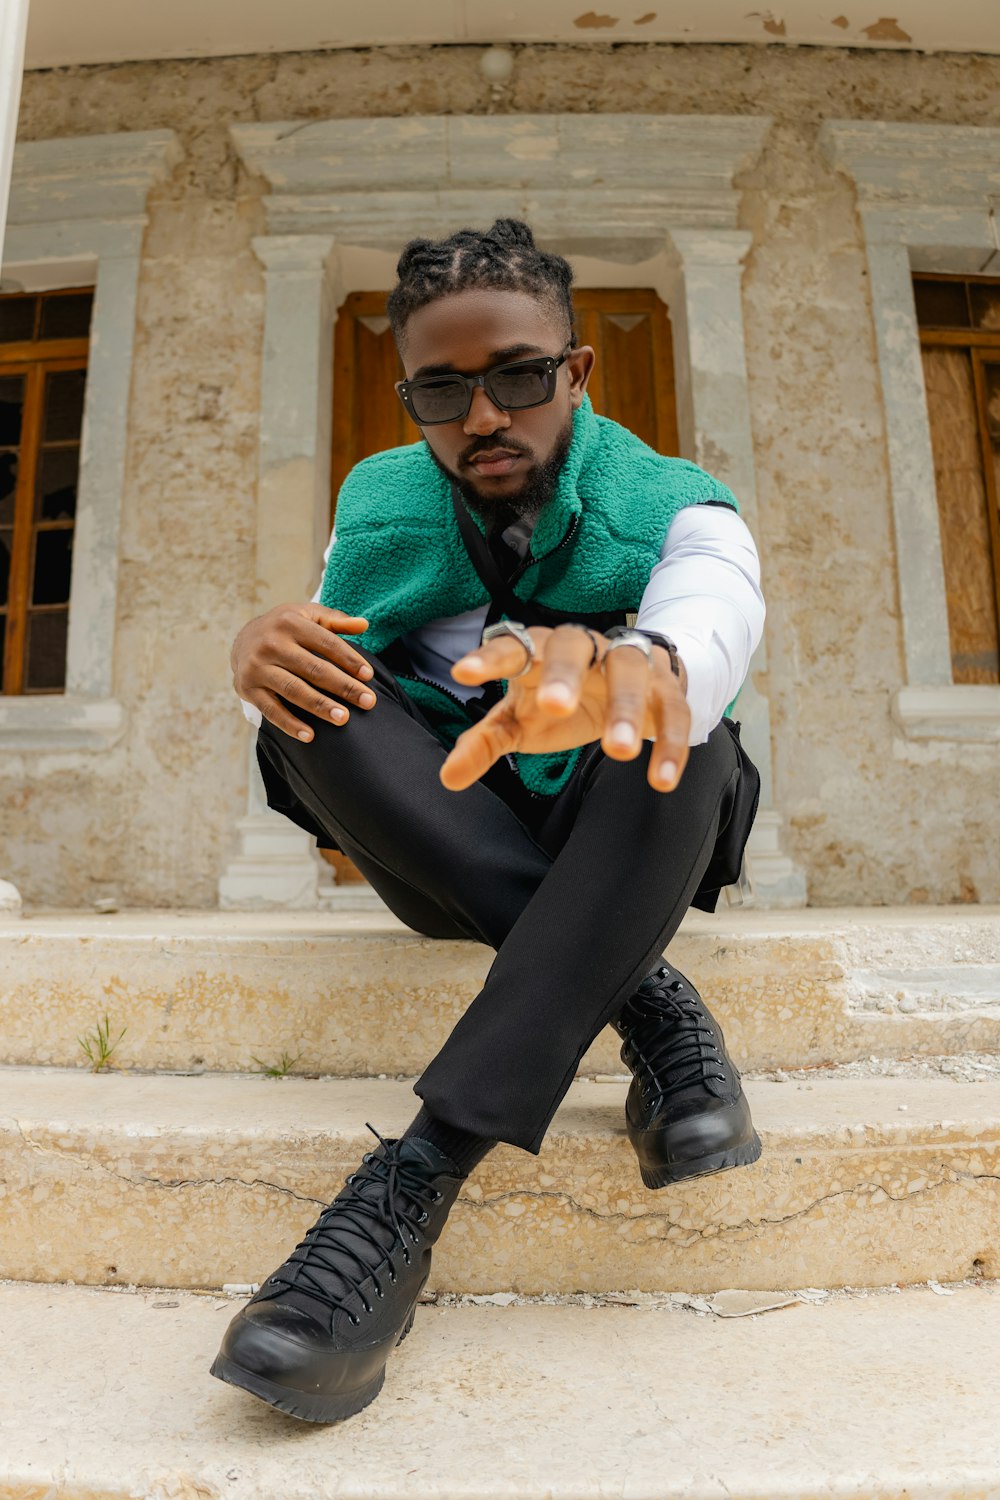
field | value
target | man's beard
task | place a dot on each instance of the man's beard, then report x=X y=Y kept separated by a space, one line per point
x=523 y=504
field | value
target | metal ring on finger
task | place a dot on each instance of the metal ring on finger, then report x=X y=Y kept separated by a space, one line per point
x=629 y=638
x=520 y=634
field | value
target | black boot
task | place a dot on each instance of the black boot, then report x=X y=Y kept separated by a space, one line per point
x=686 y=1112
x=314 y=1340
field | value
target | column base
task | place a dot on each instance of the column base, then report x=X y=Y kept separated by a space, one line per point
x=775 y=879
x=10 y=901
x=276 y=867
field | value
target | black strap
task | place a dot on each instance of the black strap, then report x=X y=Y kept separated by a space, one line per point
x=503 y=600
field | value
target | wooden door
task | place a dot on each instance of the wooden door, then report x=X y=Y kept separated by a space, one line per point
x=633 y=379
x=633 y=382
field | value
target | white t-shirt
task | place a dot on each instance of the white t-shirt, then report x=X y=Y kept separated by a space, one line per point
x=704 y=593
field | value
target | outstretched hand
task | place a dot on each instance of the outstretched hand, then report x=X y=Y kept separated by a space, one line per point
x=564 y=702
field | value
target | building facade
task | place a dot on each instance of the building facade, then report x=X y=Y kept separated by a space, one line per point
x=189 y=320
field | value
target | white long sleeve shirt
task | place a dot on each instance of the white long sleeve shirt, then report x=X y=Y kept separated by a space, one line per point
x=704 y=593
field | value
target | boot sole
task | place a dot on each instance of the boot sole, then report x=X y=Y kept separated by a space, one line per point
x=300 y=1404
x=702 y=1166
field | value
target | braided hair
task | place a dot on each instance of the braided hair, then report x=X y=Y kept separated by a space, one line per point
x=504 y=256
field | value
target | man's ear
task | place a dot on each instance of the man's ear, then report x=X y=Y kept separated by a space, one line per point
x=580 y=363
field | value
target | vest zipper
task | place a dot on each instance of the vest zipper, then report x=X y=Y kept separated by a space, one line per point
x=520 y=572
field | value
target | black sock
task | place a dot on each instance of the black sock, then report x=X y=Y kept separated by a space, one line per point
x=465 y=1149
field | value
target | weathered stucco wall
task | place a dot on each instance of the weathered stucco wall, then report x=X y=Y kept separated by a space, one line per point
x=872 y=819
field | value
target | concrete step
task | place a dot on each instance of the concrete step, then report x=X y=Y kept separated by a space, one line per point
x=885 y=1396
x=171 y=1180
x=358 y=994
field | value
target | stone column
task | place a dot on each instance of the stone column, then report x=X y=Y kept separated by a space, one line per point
x=713 y=410
x=920 y=566
x=13 y=29
x=276 y=864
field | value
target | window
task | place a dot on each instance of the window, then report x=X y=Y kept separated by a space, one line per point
x=959 y=321
x=43 y=366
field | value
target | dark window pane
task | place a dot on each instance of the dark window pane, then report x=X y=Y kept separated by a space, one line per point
x=66 y=317
x=53 y=554
x=6 y=544
x=3 y=632
x=11 y=407
x=47 y=651
x=941 y=304
x=55 y=492
x=8 y=484
x=17 y=319
x=985 y=300
x=64 y=405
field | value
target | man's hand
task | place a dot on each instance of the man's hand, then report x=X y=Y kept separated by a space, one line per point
x=562 y=703
x=292 y=653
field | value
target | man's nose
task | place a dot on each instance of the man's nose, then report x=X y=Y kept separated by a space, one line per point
x=483 y=416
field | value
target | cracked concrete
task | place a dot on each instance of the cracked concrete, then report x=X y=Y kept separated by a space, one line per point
x=204 y=1181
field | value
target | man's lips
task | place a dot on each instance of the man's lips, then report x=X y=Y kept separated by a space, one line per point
x=495 y=462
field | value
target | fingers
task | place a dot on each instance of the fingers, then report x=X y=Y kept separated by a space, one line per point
x=322 y=678
x=319 y=638
x=629 y=679
x=480 y=747
x=569 y=652
x=335 y=619
x=277 y=714
x=284 y=683
x=672 y=724
x=504 y=656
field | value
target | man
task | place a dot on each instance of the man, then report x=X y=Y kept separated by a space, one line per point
x=464 y=711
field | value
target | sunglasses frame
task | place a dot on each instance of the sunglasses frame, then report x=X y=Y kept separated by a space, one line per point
x=404 y=388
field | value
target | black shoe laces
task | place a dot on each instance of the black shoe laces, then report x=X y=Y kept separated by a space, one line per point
x=669 y=1043
x=349 y=1244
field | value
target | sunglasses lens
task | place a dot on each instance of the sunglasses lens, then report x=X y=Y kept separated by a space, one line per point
x=438 y=400
x=521 y=385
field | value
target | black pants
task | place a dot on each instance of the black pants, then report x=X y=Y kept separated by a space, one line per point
x=579 y=894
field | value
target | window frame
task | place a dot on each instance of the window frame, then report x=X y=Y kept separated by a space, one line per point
x=35 y=359
x=78 y=216
x=978 y=343
x=927 y=200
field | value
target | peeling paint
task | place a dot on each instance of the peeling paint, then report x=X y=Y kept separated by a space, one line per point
x=771 y=23
x=840 y=21
x=886 y=29
x=591 y=21
x=645 y=20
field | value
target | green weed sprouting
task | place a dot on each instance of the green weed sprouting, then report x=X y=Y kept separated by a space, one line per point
x=98 y=1046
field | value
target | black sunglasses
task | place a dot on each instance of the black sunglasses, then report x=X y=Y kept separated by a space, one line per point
x=447 y=398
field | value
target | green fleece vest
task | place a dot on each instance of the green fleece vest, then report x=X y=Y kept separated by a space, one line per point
x=399 y=559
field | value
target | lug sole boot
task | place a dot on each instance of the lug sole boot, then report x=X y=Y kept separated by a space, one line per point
x=315 y=1339
x=686 y=1112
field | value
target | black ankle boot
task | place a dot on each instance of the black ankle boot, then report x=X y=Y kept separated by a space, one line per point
x=314 y=1340
x=686 y=1112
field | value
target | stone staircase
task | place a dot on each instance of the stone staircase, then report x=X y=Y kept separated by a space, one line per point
x=578 y=1340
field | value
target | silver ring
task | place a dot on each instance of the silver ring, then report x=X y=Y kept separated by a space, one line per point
x=630 y=638
x=520 y=634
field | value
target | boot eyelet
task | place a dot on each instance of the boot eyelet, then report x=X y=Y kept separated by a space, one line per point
x=423 y=1217
x=355 y=1320
x=438 y=1197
